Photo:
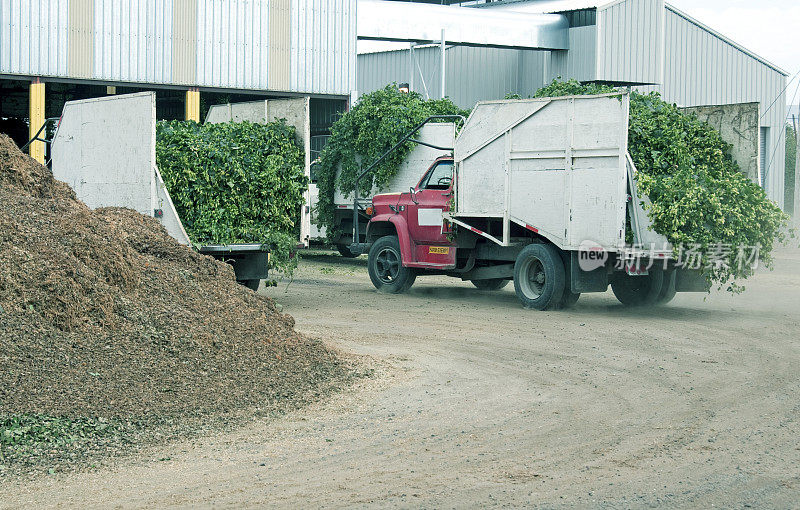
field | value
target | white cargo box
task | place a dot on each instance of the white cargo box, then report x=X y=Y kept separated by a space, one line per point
x=556 y=166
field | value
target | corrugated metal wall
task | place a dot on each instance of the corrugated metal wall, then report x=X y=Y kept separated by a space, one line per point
x=630 y=41
x=580 y=61
x=323 y=56
x=472 y=73
x=702 y=68
x=132 y=40
x=33 y=36
x=232 y=44
x=301 y=46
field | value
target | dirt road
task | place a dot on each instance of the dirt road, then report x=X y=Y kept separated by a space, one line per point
x=479 y=402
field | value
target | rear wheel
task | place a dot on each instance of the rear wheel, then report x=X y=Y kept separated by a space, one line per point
x=638 y=290
x=385 y=267
x=668 y=292
x=539 y=278
x=491 y=284
x=344 y=251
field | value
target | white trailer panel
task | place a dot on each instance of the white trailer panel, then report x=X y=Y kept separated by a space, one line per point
x=555 y=165
x=105 y=149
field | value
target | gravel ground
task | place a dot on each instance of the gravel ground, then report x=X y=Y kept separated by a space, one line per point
x=477 y=402
x=104 y=316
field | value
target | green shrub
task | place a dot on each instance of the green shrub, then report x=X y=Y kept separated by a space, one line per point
x=235 y=183
x=376 y=123
x=700 y=198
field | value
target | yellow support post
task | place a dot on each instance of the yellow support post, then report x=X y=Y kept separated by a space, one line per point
x=36 y=119
x=193 y=104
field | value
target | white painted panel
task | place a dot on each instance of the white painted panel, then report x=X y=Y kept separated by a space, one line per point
x=566 y=164
x=429 y=217
x=105 y=150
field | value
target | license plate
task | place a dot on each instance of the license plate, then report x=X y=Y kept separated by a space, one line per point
x=439 y=250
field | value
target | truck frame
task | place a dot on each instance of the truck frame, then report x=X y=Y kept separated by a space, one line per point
x=540 y=192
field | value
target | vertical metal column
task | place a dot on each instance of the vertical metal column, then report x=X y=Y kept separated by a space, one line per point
x=36 y=119
x=411 y=64
x=444 y=67
x=193 y=104
x=796 y=195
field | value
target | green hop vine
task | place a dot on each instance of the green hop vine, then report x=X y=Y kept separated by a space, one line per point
x=376 y=123
x=698 y=195
x=235 y=183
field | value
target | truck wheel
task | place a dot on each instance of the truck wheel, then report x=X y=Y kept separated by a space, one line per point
x=668 y=292
x=491 y=284
x=539 y=276
x=344 y=251
x=250 y=284
x=385 y=267
x=638 y=290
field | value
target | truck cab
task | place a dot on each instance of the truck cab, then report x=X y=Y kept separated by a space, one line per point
x=416 y=217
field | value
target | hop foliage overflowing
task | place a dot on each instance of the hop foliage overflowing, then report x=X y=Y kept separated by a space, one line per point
x=699 y=197
x=235 y=183
x=377 y=122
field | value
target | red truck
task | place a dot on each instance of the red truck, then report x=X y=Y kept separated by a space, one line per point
x=536 y=191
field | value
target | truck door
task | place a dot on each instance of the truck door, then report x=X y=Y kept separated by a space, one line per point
x=431 y=197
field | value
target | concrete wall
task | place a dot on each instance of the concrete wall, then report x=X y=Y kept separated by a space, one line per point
x=739 y=126
x=105 y=150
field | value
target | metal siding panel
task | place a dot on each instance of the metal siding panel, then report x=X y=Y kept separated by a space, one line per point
x=703 y=69
x=184 y=42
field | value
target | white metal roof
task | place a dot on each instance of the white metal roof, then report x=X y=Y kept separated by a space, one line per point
x=546 y=6
x=550 y=6
x=414 y=22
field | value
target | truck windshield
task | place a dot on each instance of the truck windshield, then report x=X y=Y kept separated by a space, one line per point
x=439 y=177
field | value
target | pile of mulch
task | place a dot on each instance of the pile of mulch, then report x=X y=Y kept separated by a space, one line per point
x=103 y=314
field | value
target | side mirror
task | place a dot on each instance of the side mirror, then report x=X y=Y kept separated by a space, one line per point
x=413 y=195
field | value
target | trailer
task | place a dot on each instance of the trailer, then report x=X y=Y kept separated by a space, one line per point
x=105 y=150
x=541 y=192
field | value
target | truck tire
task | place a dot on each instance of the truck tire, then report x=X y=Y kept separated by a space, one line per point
x=668 y=292
x=638 y=290
x=344 y=251
x=250 y=284
x=539 y=278
x=491 y=284
x=385 y=267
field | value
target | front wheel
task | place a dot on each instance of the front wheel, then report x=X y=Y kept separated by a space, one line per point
x=385 y=267
x=491 y=284
x=539 y=277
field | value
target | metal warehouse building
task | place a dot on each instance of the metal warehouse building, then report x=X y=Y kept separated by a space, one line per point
x=192 y=52
x=645 y=44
